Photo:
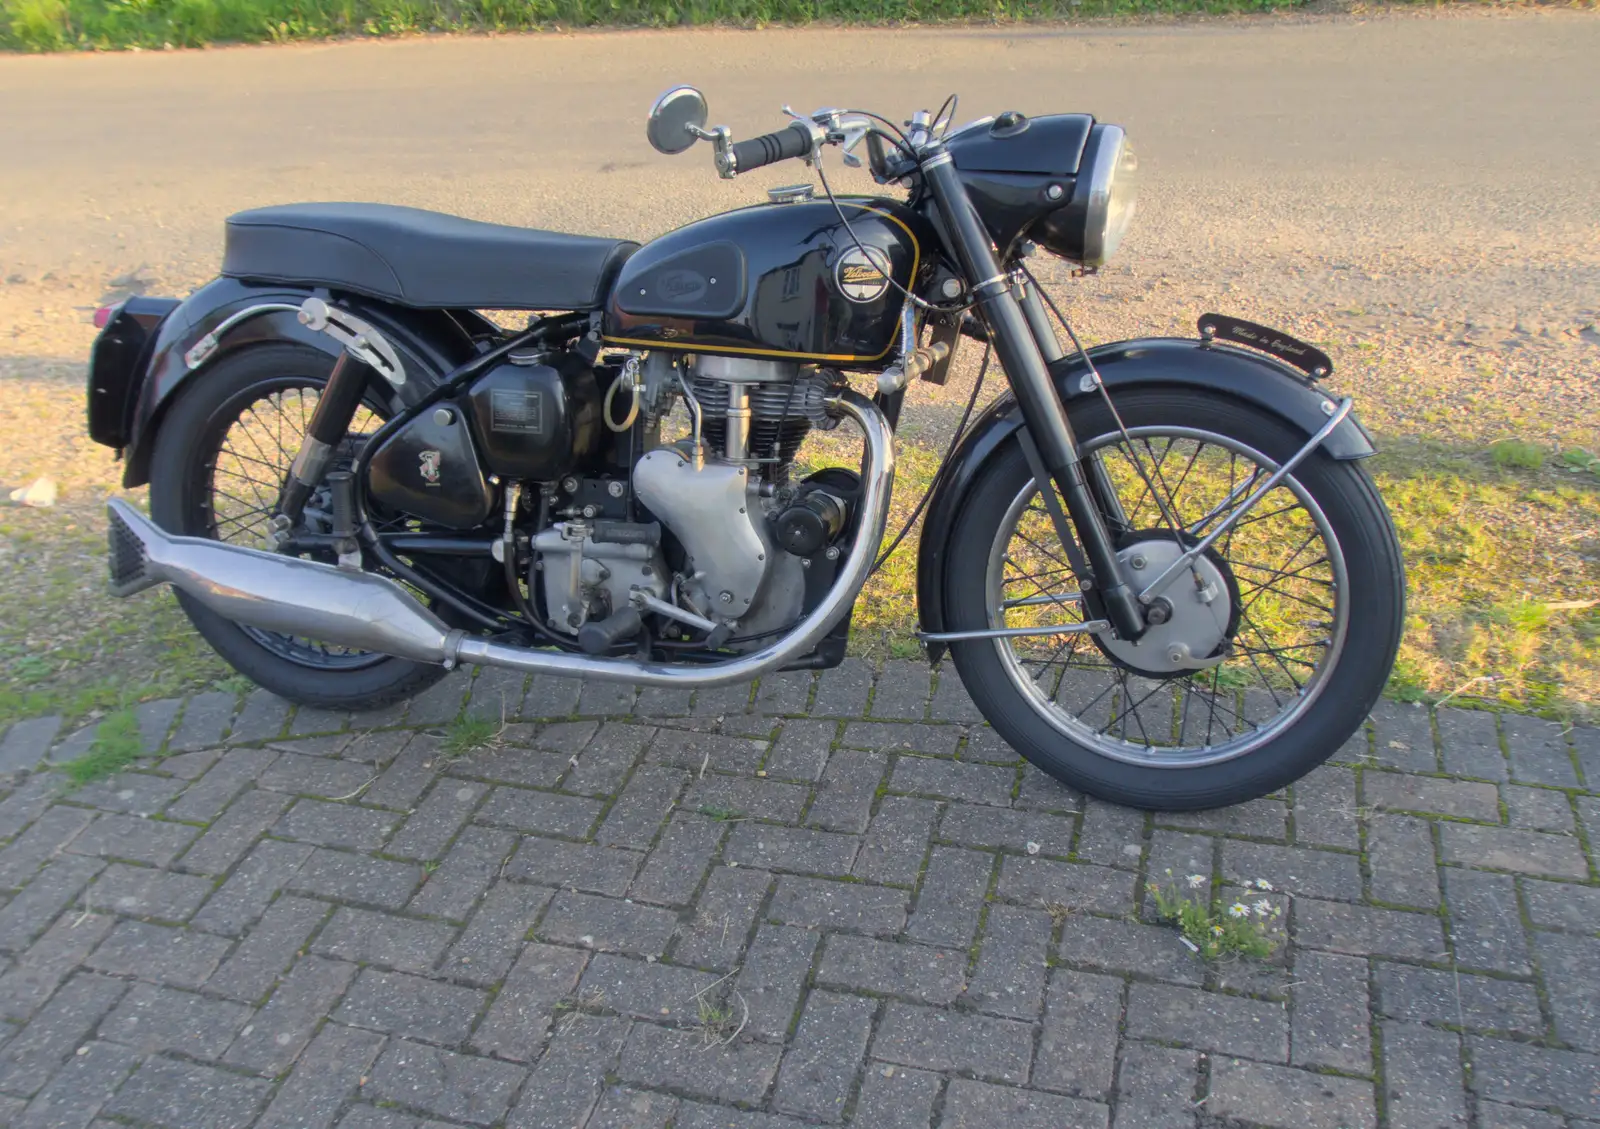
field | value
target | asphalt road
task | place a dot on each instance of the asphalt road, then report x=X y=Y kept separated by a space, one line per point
x=1413 y=180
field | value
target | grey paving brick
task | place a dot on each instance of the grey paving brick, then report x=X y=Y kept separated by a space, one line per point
x=152 y=1019
x=1077 y=1051
x=622 y=1108
x=951 y=702
x=1262 y=819
x=545 y=813
x=205 y=720
x=41 y=842
x=690 y=750
x=26 y=743
x=1586 y=743
x=285 y=1025
x=1403 y=737
x=206 y=798
x=227 y=840
x=953 y=780
x=1209 y=1021
x=819 y=1068
x=328 y=1074
x=1501 y=848
x=1422 y=1081
x=1426 y=995
x=894 y=1097
x=977 y=1105
x=190 y=766
x=454 y=1086
x=308 y=720
x=746 y=796
x=723 y=916
x=39 y=971
x=408 y=776
x=773 y=976
x=400 y=1004
x=786 y=693
x=364 y=937
x=1571 y=967
x=428 y=831
x=181 y=957
x=1395 y=791
x=27 y=915
x=155 y=721
x=1401 y=861
x=371 y=749
x=1538 y=1076
x=952 y=892
x=605 y=699
x=607 y=924
x=474 y=861
x=1294 y=870
x=1493 y=1115
x=602 y=764
x=27 y=803
x=663 y=993
x=1155 y=1087
x=1365 y=931
x=241 y=899
x=1122 y=946
x=842 y=691
x=261 y=718
x=30 y=1057
x=896 y=841
x=672 y=872
x=134 y=839
x=272 y=946
x=643 y=804
x=520 y=1015
x=549 y=696
x=846 y=792
x=71 y=746
x=564 y=1087
x=134 y=793
x=821 y=904
x=680 y=1061
x=1325 y=808
x=902 y=691
x=1481 y=908
x=72 y=1098
x=511 y=764
x=801 y=750
x=887 y=737
x=187 y=1096
x=1012 y=962
x=1110 y=835
x=314 y=776
x=1331 y=1021
x=1538 y=751
x=1562 y=905
x=493 y=937
x=931 y=1039
x=357 y=879
x=1046 y=793
x=1539 y=809
x=1470 y=743
x=974 y=825
x=916 y=972
x=1073 y=885
x=579 y=866
x=789 y=848
x=336 y=825
x=1294 y=1099
x=663 y=701
x=984 y=744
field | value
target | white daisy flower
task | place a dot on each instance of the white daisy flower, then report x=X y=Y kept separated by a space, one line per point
x=1239 y=909
x=1263 y=884
x=1196 y=881
x=1263 y=907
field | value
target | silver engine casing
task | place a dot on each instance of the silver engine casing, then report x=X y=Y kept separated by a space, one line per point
x=586 y=579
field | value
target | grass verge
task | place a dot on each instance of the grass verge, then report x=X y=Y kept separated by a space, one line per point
x=116 y=745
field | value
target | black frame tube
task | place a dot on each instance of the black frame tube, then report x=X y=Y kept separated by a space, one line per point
x=1012 y=334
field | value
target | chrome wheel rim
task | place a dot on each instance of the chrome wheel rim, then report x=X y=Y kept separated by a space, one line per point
x=1292 y=613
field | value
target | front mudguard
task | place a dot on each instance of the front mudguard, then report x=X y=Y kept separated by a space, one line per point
x=1149 y=362
x=431 y=342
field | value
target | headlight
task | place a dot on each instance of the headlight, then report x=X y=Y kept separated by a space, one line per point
x=1090 y=227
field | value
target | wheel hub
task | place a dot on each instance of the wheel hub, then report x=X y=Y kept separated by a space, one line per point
x=1188 y=626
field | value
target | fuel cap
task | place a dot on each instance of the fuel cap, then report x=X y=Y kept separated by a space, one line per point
x=790 y=193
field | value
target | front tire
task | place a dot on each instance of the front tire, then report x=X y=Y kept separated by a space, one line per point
x=1310 y=635
x=219 y=460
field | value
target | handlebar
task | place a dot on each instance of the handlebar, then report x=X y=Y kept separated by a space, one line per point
x=780 y=145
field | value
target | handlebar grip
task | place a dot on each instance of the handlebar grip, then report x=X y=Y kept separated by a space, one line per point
x=770 y=148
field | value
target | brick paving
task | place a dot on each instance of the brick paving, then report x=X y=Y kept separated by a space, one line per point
x=831 y=900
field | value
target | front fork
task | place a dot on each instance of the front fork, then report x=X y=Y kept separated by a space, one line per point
x=1021 y=334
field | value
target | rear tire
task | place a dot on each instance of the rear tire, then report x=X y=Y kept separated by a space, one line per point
x=1177 y=769
x=182 y=501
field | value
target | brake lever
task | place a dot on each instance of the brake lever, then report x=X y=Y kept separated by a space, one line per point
x=851 y=133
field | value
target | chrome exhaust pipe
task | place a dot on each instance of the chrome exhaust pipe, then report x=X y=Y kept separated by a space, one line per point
x=373 y=613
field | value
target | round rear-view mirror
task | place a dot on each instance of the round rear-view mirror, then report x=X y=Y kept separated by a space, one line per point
x=674 y=119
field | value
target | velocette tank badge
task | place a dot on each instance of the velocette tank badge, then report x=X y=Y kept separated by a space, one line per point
x=862 y=275
x=430 y=467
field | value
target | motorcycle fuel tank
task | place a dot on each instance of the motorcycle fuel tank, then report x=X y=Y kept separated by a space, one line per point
x=776 y=280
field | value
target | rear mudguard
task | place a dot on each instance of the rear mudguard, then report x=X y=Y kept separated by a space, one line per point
x=1149 y=362
x=430 y=342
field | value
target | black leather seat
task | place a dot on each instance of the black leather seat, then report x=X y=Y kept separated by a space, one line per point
x=423 y=259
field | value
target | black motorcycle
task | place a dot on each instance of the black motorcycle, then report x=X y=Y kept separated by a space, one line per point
x=1159 y=566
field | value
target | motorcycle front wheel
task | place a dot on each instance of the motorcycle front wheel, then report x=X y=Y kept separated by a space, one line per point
x=1276 y=642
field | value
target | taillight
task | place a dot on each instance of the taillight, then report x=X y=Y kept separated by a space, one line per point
x=103 y=316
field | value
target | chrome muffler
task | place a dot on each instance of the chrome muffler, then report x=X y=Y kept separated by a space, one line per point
x=373 y=613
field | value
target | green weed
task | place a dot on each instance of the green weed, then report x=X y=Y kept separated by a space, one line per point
x=116 y=745
x=469 y=733
x=1212 y=929
x=1518 y=454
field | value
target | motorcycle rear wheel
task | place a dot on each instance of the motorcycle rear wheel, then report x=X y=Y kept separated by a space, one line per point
x=219 y=460
x=1314 y=591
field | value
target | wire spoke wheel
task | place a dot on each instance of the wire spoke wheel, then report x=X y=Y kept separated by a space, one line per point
x=1255 y=623
x=251 y=443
